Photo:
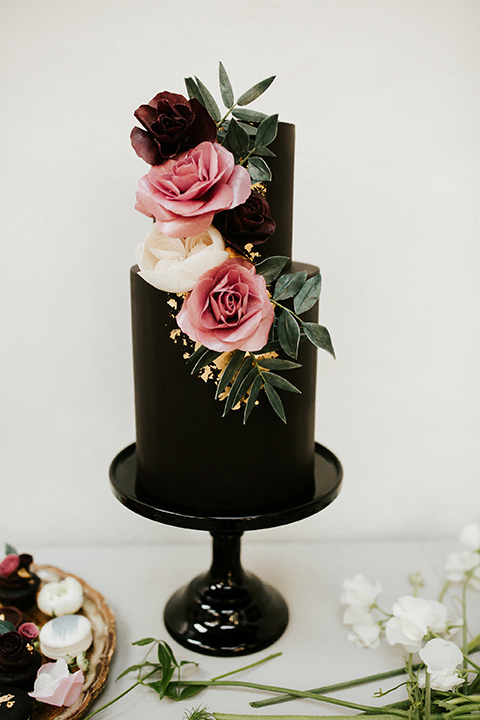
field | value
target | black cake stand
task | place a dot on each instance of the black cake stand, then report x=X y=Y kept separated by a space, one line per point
x=225 y=611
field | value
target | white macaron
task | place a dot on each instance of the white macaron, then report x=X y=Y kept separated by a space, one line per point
x=65 y=635
x=60 y=598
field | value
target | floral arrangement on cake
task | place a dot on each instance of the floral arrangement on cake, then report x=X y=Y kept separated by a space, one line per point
x=205 y=193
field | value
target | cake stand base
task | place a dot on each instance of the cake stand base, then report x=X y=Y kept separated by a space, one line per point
x=226 y=611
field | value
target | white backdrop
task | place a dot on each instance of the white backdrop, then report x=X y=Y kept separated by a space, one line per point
x=385 y=96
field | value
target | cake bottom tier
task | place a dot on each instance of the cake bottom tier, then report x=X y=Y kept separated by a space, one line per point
x=187 y=453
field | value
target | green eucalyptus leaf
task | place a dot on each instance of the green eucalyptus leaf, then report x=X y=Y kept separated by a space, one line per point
x=205 y=359
x=275 y=401
x=132 y=668
x=264 y=152
x=319 y=336
x=308 y=295
x=259 y=170
x=289 y=284
x=280 y=382
x=160 y=686
x=209 y=100
x=197 y=354
x=226 y=89
x=288 y=333
x=244 y=386
x=255 y=91
x=252 y=397
x=237 y=138
x=249 y=129
x=144 y=641
x=6 y=626
x=248 y=115
x=10 y=550
x=277 y=364
x=230 y=371
x=193 y=91
x=267 y=130
x=241 y=375
x=271 y=267
x=191 y=690
x=272 y=345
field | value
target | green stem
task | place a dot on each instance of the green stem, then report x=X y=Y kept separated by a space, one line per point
x=444 y=590
x=103 y=707
x=428 y=696
x=332 y=688
x=244 y=160
x=295 y=693
x=247 y=667
x=220 y=122
x=286 y=308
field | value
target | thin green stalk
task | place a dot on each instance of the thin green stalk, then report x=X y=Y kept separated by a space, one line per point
x=287 y=309
x=332 y=688
x=103 y=707
x=220 y=122
x=296 y=693
x=428 y=696
x=247 y=667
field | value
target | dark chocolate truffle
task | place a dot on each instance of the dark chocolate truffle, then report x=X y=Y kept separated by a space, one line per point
x=14 y=703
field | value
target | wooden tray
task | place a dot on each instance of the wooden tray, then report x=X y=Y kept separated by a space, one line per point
x=99 y=654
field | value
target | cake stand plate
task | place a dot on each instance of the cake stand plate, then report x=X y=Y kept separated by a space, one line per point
x=225 y=611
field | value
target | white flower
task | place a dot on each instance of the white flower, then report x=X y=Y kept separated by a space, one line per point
x=175 y=264
x=412 y=619
x=460 y=563
x=365 y=635
x=441 y=658
x=470 y=536
x=61 y=598
x=357 y=615
x=359 y=591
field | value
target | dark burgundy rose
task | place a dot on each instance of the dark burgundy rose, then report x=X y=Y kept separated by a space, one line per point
x=172 y=124
x=12 y=648
x=247 y=223
x=9 y=565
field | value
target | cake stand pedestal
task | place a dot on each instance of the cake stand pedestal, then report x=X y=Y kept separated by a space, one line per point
x=225 y=611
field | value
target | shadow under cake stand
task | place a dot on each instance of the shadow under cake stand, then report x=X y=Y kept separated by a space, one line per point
x=225 y=611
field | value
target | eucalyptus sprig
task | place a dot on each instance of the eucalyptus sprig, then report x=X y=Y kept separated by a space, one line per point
x=248 y=132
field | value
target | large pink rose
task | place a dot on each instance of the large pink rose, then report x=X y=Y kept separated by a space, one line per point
x=228 y=309
x=185 y=192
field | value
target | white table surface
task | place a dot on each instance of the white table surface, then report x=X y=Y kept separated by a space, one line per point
x=138 y=580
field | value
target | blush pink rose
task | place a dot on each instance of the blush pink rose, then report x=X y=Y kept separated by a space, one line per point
x=9 y=565
x=228 y=309
x=56 y=686
x=185 y=192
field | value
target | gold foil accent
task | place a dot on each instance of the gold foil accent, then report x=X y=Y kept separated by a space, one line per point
x=260 y=187
x=10 y=704
x=2 y=617
x=173 y=303
x=23 y=573
x=174 y=335
x=7 y=699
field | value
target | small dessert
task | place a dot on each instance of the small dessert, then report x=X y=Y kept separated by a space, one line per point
x=18 y=585
x=12 y=615
x=65 y=635
x=19 y=661
x=14 y=704
x=60 y=598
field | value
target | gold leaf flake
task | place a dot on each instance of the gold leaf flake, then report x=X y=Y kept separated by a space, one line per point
x=173 y=303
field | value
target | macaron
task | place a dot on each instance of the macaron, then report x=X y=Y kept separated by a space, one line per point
x=14 y=704
x=65 y=635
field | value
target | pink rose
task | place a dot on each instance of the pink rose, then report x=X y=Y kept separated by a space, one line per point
x=9 y=565
x=228 y=309
x=28 y=631
x=185 y=192
x=55 y=686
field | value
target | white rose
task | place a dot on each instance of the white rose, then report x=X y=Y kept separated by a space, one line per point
x=175 y=264
x=359 y=591
x=61 y=598
x=470 y=536
x=365 y=636
x=460 y=563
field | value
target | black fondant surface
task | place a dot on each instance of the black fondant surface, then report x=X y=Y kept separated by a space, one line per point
x=326 y=486
x=15 y=704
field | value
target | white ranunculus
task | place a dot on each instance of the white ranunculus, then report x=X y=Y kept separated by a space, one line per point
x=175 y=264
x=470 y=536
x=441 y=658
x=412 y=619
x=460 y=563
x=365 y=635
x=359 y=591
x=61 y=598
